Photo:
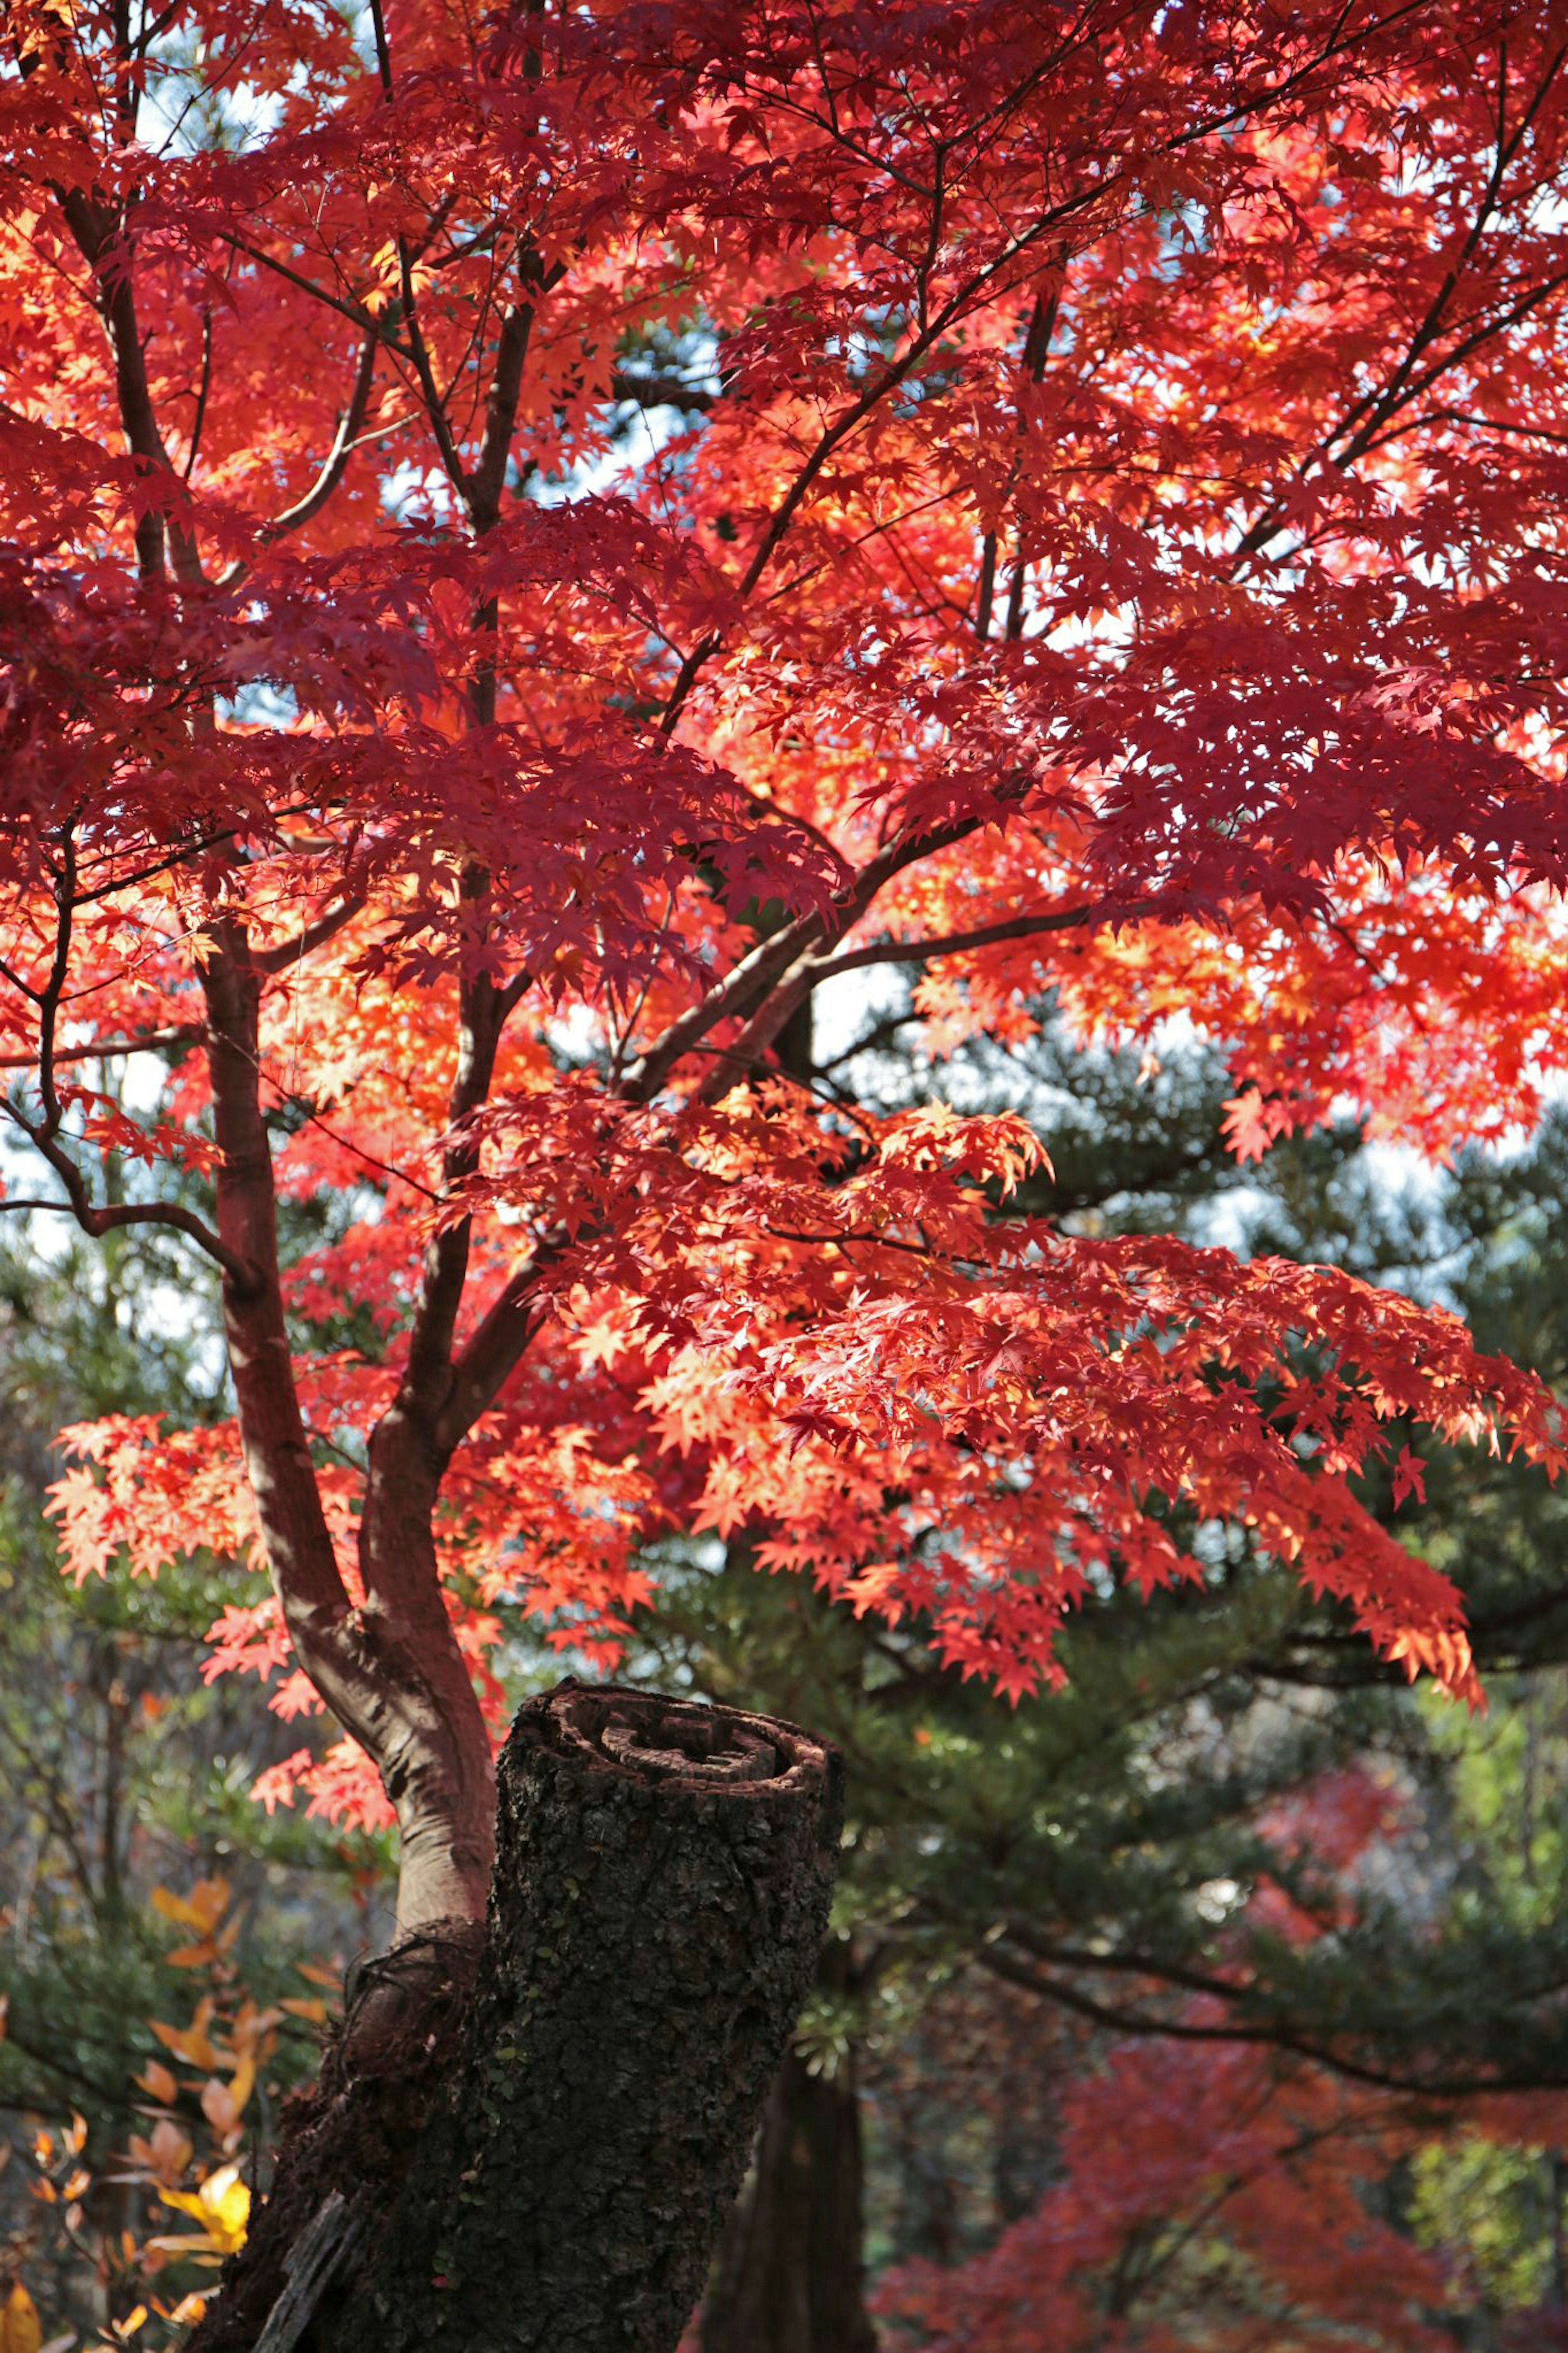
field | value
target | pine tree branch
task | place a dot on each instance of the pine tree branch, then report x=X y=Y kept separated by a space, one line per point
x=1142 y=2024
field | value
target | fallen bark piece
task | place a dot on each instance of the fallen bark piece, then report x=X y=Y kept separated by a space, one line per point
x=320 y=2253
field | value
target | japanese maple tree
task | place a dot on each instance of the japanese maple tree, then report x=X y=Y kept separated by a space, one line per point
x=1208 y=2200
x=534 y=543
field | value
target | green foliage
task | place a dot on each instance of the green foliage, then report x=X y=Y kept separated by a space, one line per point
x=1498 y=2206
x=121 y=1768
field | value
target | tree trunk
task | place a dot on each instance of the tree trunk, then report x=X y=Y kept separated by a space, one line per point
x=537 y=2157
x=791 y=2277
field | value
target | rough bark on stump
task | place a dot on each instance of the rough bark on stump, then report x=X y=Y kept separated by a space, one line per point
x=662 y=1880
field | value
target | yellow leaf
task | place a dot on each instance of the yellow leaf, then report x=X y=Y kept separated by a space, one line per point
x=172 y=1906
x=202 y=1909
x=318 y=1976
x=188 y=2042
x=166 y=2153
x=222 y=2206
x=209 y=1902
x=315 y=2009
x=20 y=2329
x=185 y=2247
x=157 y=2083
x=218 y=2105
x=208 y=1905
x=230 y=2201
x=250 y=2030
x=241 y=2083
x=192 y=1956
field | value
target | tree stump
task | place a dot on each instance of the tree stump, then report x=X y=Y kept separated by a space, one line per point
x=662 y=1881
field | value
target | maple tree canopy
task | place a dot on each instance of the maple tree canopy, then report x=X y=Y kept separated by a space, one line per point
x=530 y=543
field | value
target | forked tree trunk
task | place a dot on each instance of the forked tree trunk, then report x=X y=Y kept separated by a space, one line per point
x=536 y=2156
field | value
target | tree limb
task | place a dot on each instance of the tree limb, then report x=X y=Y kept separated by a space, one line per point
x=1138 y=2022
x=99 y=1221
x=984 y=935
x=337 y=458
x=288 y=953
x=95 y=229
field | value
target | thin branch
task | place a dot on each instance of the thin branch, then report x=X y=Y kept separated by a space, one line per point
x=1036 y=350
x=660 y=391
x=202 y=389
x=313 y=1117
x=984 y=935
x=354 y=313
x=1138 y=2022
x=194 y=847
x=747 y=989
x=1052 y=222
x=861 y=539
x=337 y=458
x=484 y=1008
x=23 y=988
x=101 y=1222
x=756 y=972
x=95 y=229
x=50 y=996
x=771 y=1007
x=1364 y=422
x=435 y=407
x=493 y=1350
x=1467 y=416
x=383 y=53
x=489 y=475
x=186 y=1033
x=289 y=952
x=881 y=1033
x=987 y=585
